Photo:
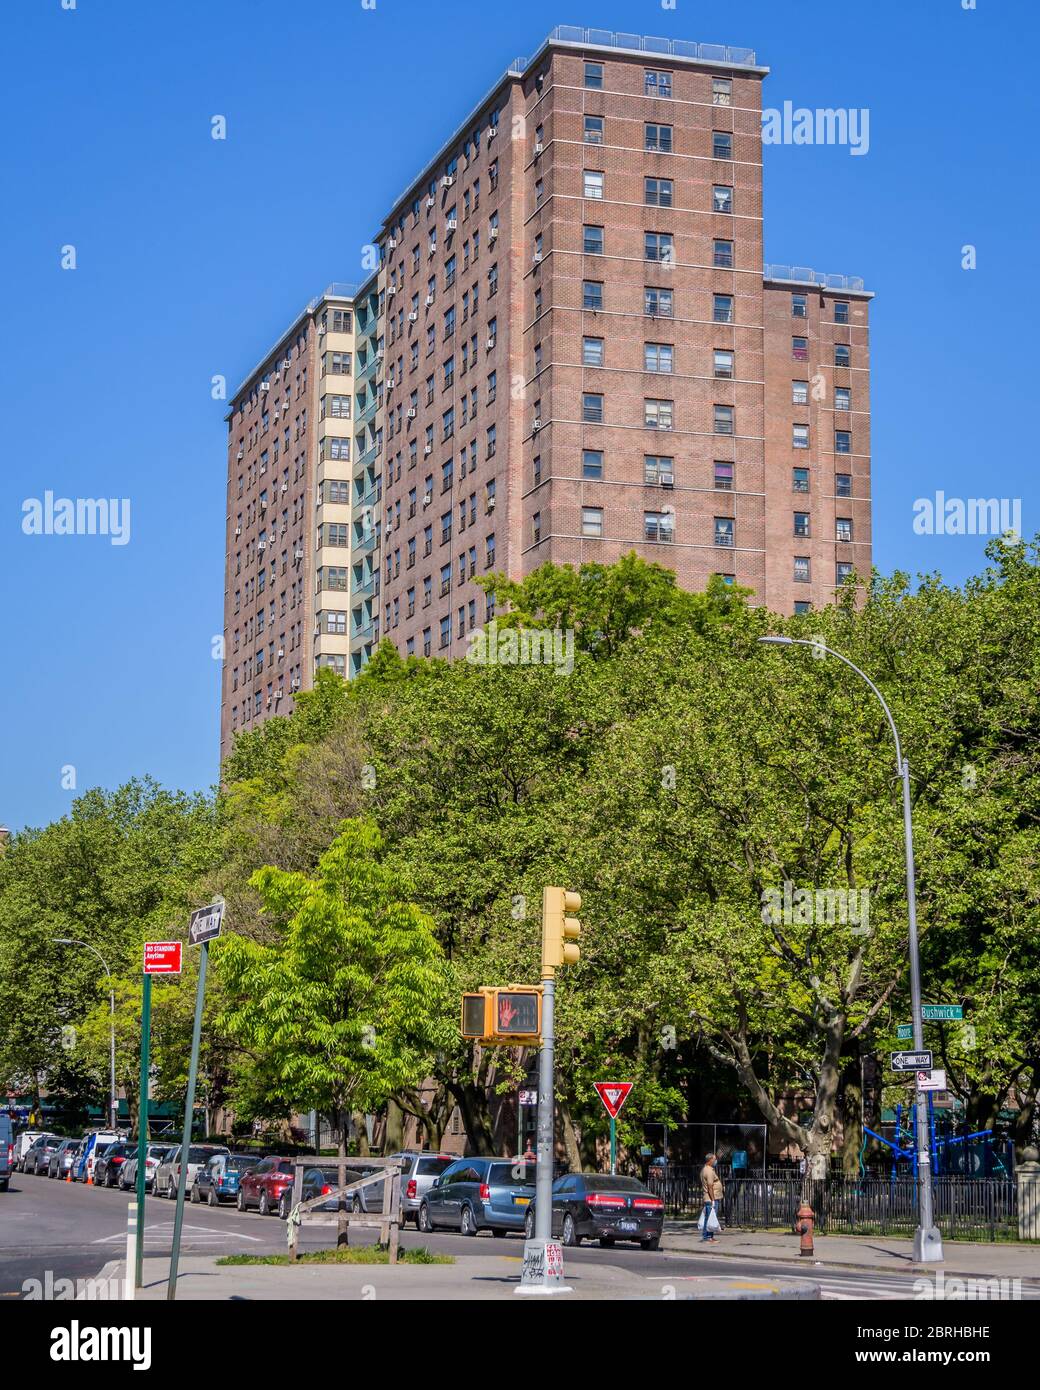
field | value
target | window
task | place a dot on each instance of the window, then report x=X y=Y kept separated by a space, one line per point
x=659 y=246
x=843 y=528
x=724 y=476
x=446 y=631
x=802 y=606
x=337 y=490
x=843 y=570
x=842 y=355
x=657 y=415
x=658 y=471
x=594 y=76
x=724 y=531
x=657 y=357
x=802 y=570
x=659 y=527
x=721 y=144
x=592 y=409
x=593 y=183
x=657 y=304
x=841 y=311
x=659 y=137
x=799 y=393
x=592 y=463
x=842 y=442
x=723 y=364
x=336 y=363
x=536 y=528
x=594 y=130
x=843 y=484
x=592 y=294
x=842 y=398
x=337 y=406
x=492 y=441
x=723 y=416
x=800 y=436
x=334 y=533
x=592 y=521
x=657 y=193
x=801 y=525
x=722 y=254
x=426 y=641
x=800 y=349
x=592 y=241
x=800 y=479
x=490 y=556
x=799 y=306
x=592 y=352
x=721 y=91
x=657 y=83
x=722 y=308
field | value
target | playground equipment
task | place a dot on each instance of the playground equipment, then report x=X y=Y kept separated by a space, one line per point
x=979 y=1154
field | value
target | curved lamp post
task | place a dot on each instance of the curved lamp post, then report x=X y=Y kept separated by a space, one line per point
x=927 y=1239
x=113 y=1104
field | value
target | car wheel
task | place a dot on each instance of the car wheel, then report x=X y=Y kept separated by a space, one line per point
x=355 y=1205
x=211 y=1197
x=240 y=1202
x=423 y=1220
x=264 y=1205
x=283 y=1207
x=651 y=1243
x=529 y=1225
x=468 y=1226
x=195 y=1193
x=570 y=1231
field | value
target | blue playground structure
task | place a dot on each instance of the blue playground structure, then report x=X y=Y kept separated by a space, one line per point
x=979 y=1154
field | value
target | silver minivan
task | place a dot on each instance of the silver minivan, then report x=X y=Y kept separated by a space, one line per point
x=418 y=1171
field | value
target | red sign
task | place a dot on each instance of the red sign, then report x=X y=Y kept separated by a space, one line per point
x=613 y=1094
x=162 y=957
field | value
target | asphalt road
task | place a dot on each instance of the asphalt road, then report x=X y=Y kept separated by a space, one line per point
x=73 y=1231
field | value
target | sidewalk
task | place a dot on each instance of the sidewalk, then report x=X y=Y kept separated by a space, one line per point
x=970 y=1259
x=471 y=1277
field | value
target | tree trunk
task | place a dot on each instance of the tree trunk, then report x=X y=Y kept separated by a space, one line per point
x=851 y=1103
x=570 y=1139
x=472 y=1101
x=393 y=1133
x=364 y=1149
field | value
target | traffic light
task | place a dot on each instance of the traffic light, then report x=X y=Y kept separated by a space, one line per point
x=510 y=1017
x=559 y=931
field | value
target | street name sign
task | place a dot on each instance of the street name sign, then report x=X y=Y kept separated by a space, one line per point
x=162 y=957
x=205 y=924
x=613 y=1094
x=936 y=1013
x=911 y=1061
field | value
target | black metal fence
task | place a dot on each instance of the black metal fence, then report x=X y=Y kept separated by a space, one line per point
x=965 y=1208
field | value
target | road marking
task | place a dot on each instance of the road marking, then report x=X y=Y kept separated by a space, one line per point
x=200 y=1233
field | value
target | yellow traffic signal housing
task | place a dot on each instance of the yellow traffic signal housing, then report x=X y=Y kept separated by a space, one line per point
x=560 y=932
x=509 y=1017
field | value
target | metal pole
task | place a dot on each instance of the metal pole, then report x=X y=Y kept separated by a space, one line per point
x=113 y=1103
x=142 y=1123
x=613 y=1146
x=189 y=1106
x=544 y=1170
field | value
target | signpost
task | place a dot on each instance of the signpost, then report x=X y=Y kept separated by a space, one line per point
x=160 y=958
x=911 y=1061
x=205 y=924
x=613 y=1094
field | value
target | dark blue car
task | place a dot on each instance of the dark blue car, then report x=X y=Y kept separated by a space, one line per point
x=479 y=1194
x=217 y=1181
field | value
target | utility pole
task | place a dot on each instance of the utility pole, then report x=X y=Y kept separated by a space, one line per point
x=543 y=1257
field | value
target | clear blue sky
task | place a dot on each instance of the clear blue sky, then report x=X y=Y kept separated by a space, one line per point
x=192 y=255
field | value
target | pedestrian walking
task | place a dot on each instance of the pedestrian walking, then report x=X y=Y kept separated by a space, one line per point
x=711 y=1194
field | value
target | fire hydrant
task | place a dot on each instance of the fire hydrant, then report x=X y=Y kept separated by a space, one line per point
x=804 y=1225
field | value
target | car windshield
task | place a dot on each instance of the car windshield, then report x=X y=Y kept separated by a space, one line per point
x=239 y=1165
x=517 y=1174
x=428 y=1166
x=603 y=1182
x=156 y=1151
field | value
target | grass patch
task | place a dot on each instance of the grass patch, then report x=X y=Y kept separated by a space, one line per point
x=345 y=1255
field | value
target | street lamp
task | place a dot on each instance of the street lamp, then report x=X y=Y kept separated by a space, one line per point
x=927 y=1239
x=113 y=1104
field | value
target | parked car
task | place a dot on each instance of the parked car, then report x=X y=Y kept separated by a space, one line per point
x=417 y=1173
x=168 y=1173
x=107 y=1166
x=475 y=1194
x=218 y=1180
x=62 y=1158
x=93 y=1143
x=317 y=1182
x=24 y=1143
x=38 y=1156
x=598 y=1206
x=153 y=1156
x=6 y=1151
x=262 y=1185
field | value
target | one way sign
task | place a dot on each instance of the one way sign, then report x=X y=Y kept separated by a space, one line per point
x=205 y=923
x=613 y=1094
x=911 y=1061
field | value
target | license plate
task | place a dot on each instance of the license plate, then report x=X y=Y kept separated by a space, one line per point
x=628 y=1225
x=522 y=1201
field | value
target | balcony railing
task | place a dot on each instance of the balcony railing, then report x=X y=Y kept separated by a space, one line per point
x=642 y=43
x=802 y=275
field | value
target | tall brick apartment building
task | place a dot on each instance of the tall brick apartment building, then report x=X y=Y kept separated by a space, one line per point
x=580 y=354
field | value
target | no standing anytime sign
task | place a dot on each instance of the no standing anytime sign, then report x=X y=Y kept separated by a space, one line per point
x=162 y=957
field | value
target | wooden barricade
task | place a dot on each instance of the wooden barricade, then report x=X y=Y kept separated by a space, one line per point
x=387 y=1222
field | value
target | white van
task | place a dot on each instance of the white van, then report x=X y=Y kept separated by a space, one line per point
x=83 y=1171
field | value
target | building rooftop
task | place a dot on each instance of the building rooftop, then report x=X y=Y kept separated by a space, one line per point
x=802 y=275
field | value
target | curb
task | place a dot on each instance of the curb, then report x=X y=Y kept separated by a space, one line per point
x=908 y=1268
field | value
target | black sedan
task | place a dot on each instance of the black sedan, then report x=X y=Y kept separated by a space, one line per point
x=596 y=1206
x=108 y=1163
